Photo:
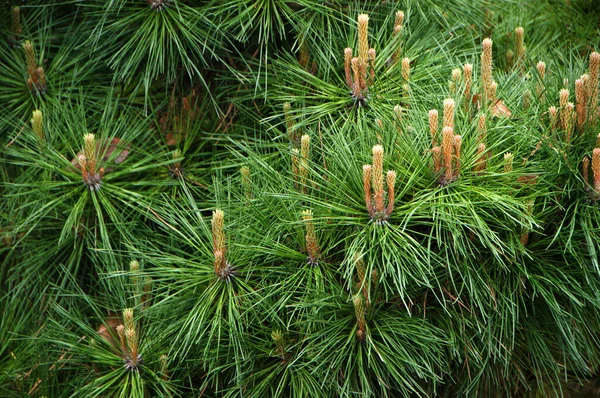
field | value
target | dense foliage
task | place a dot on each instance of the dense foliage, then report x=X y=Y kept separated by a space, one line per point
x=299 y=199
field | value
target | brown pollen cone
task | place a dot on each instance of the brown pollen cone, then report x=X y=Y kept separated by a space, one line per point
x=581 y=102
x=596 y=169
x=449 y=113
x=447 y=152
x=433 y=126
x=378 y=178
x=348 y=67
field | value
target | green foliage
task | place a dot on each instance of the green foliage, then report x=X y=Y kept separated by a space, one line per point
x=197 y=202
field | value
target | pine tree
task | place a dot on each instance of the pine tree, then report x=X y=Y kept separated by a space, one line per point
x=299 y=199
